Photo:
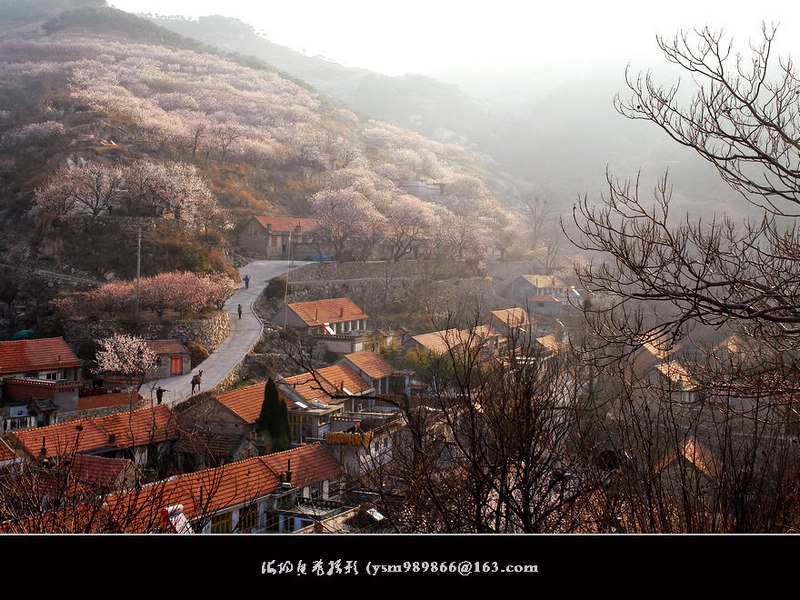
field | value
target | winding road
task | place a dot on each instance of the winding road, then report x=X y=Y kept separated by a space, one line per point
x=243 y=335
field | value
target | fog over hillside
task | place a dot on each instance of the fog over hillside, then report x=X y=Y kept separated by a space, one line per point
x=555 y=129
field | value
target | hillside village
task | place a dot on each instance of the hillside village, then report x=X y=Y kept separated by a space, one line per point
x=230 y=305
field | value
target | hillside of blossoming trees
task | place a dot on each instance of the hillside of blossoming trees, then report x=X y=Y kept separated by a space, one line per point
x=110 y=125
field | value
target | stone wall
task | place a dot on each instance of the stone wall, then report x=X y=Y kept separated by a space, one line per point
x=102 y=411
x=350 y=271
x=209 y=331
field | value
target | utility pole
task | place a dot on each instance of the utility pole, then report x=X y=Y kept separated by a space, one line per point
x=138 y=269
x=289 y=260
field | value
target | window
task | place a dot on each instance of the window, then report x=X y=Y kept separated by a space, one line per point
x=273 y=522
x=248 y=518
x=316 y=490
x=221 y=523
x=285 y=502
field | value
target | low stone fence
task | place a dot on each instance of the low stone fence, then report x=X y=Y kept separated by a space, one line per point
x=353 y=271
x=123 y=405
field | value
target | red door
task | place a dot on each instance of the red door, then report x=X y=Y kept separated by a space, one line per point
x=177 y=365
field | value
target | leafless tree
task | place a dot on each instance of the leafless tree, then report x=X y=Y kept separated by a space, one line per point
x=489 y=448
x=713 y=449
x=743 y=118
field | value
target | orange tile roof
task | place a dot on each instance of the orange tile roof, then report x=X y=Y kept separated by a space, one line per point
x=323 y=384
x=343 y=378
x=442 y=341
x=234 y=484
x=677 y=374
x=309 y=464
x=98 y=470
x=512 y=317
x=166 y=346
x=81 y=473
x=286 y=224
x=6 y=453
x=696 y=454
x=545 y=281
x=332 y=310
x=309 y=388
x=371 y=363
x=481 y=333
x=129 y=429
x=544 y=298
x=552 y=344
x=32 y=355
x=246 y=402
x=649 y=356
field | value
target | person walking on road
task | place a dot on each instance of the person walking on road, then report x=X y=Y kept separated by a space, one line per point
x=246 y=281
x=239 y=310
x=160 y=394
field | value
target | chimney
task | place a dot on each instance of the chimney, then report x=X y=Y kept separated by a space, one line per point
x=288 y=475
x=112 y=438
x=341 y=311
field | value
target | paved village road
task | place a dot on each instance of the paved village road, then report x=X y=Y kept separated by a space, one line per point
x=244 y=333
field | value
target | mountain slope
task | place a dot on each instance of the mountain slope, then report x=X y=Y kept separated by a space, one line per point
x=96 y=87
x=553 y=128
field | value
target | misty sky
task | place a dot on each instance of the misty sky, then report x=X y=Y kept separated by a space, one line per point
x=427 y=36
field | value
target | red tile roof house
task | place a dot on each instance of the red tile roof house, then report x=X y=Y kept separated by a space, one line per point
x=140 y=435
x=315 y=398
x=227 y=416
x=37 y=378
x=508 y=321
x=380 y=375
x=480 y=338
x=363 y=444
x=526 y=286
x=335 y=323
x=235 y=412
x=280 y=237
x=275 y=493
x=10 y=463
x=172 y=359
x=312 y=399
x=51 y=482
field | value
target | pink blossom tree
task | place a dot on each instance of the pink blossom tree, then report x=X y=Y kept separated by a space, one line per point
x=409 y=224
x=114 y=298
x=125 y=355
x=348 y=223
x=91 y=189
x=159 y=188
x=23 y=138
x=218 y=288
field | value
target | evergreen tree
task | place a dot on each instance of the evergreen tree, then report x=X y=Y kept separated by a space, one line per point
x=273 y=421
